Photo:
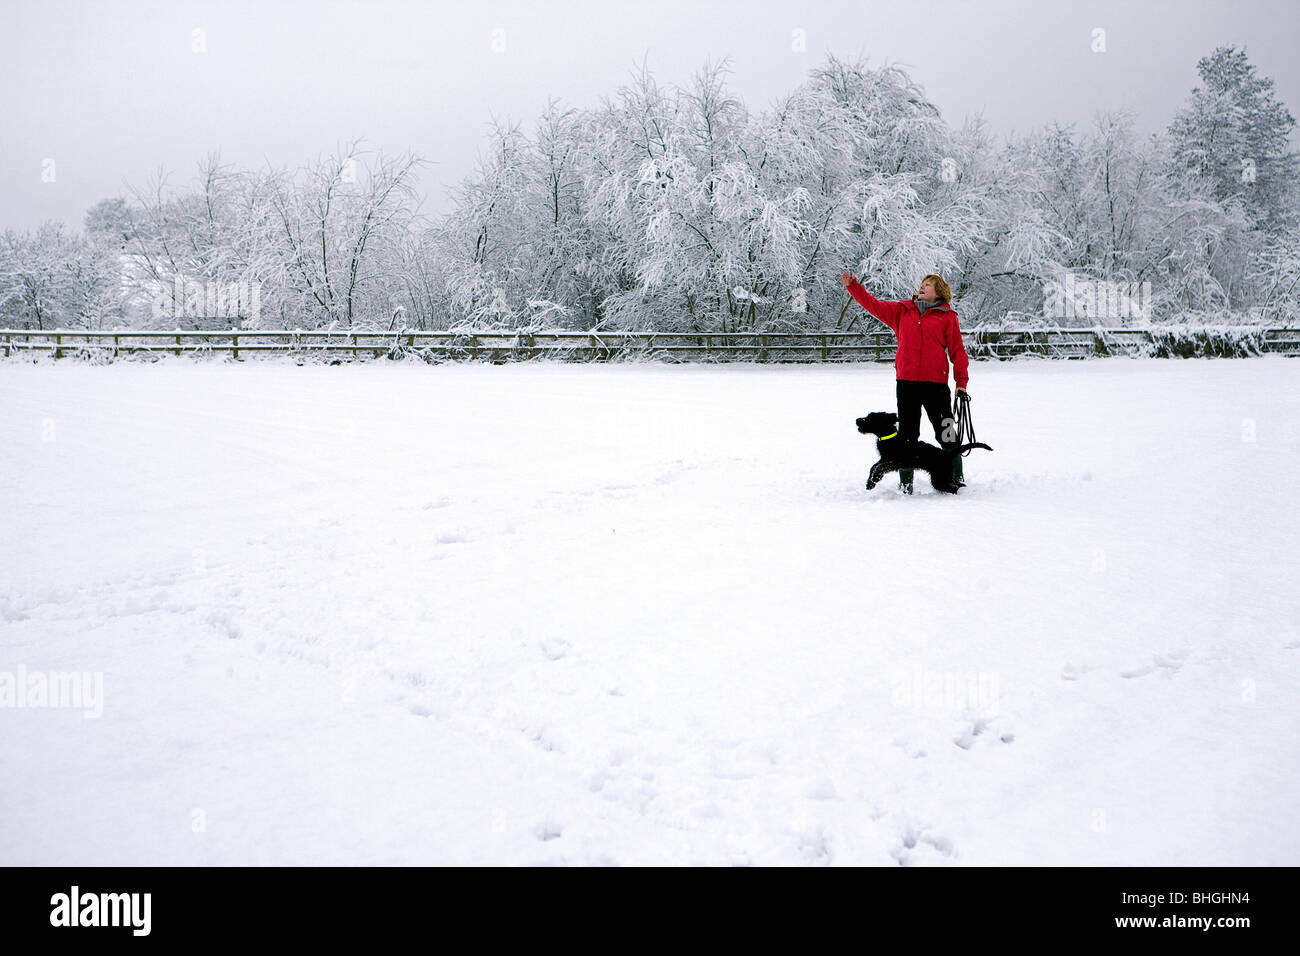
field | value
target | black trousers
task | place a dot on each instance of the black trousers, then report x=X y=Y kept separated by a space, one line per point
x=935 y=398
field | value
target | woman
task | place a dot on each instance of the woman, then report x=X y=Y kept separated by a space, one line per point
x=928 y=335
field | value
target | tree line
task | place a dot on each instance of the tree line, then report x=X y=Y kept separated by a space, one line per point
x=679 y=209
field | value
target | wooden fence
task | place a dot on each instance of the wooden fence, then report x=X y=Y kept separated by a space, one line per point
x=504 y=346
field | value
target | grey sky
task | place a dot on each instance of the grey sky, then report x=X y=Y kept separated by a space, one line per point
x=113 y=90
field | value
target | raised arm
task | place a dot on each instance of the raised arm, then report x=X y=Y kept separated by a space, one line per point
x=887 y=312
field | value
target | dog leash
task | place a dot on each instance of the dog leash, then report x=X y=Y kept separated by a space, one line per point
x=965 y=424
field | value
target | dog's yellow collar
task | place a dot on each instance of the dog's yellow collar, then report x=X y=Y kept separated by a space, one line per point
x=890 y=435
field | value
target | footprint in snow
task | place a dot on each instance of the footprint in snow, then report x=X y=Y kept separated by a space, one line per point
x=909 y=746
x=221 y=622
x=1075 y=671
x=543 y=736
x=555 y=648
x=549 y=829
x=916 y=845
x=1171 y=664
x=966 y=739
x=980 y=727
x=671 y=473
x=814 y=845
x=10 y=610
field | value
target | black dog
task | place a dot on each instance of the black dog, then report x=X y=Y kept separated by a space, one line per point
x=895 y=453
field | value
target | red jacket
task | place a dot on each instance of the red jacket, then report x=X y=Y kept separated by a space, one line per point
x=924 y=341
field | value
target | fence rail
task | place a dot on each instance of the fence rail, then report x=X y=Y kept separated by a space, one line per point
x=501 y=346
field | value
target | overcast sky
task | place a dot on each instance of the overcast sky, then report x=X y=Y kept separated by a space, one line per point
x=112 y=90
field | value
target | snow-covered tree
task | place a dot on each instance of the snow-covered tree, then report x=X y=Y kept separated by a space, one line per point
x=51 y=278
x=336 y=221
x=1233 y=134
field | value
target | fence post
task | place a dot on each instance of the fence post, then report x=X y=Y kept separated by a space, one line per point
x=234 y=345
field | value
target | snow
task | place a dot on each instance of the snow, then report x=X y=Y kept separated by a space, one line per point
x=647 y=614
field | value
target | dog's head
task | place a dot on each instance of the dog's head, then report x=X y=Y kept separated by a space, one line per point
x=878 y=423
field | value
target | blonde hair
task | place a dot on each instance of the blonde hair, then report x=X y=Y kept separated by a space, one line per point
x=941 y=290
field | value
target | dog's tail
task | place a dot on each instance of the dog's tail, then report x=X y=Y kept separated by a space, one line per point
x=965 y=448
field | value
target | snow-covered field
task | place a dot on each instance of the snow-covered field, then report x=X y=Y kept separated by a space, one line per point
x=645 y=614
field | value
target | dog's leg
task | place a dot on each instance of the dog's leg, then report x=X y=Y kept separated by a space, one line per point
x=878 y=471
x=944 y=483
x=958 y=478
